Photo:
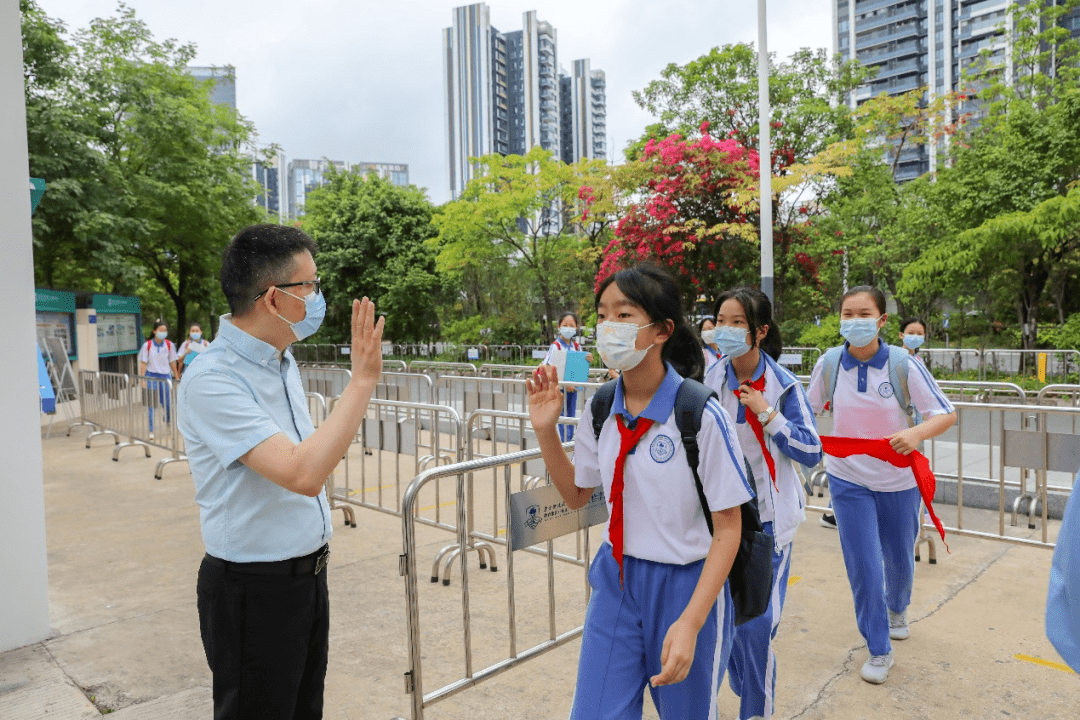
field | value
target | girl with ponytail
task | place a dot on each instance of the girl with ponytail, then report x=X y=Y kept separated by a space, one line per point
x=658 y=613
x=776 y=430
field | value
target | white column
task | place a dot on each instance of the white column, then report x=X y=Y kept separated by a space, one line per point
x=24 y=600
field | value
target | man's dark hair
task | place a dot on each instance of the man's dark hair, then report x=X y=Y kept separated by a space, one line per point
x=256 y=258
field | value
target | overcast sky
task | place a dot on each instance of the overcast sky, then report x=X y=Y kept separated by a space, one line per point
x=362 y=81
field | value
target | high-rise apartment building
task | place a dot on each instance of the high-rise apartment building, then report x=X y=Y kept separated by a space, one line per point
x=269 y=172
x=223 y=91
x=506 y=93
x=307 y=175
x=922 y=43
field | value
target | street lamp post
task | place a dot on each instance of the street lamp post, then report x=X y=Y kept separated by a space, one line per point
x=765 y=157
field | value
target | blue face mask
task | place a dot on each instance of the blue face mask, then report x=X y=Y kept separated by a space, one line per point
x=161 y=335
x=568 y=332
x=196 y=336
x=860 y=332
x=315 y=304
x=731 y=341
x=914 y=342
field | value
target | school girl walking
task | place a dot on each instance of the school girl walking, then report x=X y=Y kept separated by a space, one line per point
x=658 y=614
x=873 y=392
x=776 y=429
x=569 y=325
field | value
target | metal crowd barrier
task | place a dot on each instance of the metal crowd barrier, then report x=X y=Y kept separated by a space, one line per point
x=395 y=440
x=983 y=391
x=530 y=579
x=395 y=366
x=405 y=387
x=326 y=381
x=128 y=405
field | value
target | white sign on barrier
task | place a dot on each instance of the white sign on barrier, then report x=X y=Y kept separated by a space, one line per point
x=539 y=354
x=472 y=354
x=790 y=359
x=346 y=350
x=540 y=514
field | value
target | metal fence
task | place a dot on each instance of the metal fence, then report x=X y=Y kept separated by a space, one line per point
x=539 y=576
x=141 y=408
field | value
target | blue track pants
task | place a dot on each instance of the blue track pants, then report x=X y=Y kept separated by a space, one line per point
x=624 y=636
x=877 y=535
x=752 y=667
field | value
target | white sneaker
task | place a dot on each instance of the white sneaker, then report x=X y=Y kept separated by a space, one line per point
x=151 y=436
x=876 y=669
x=828 y=520
x=898 y=625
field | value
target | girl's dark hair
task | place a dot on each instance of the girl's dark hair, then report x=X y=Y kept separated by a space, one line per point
x=758 y=311
x=911 y=321
x=577 y=320
x=158 y=323
x=701 y=325
x=877 y=295
x=655 y=291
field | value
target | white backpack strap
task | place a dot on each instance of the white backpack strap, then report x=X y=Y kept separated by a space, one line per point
x=899 y=360
x=830 y=370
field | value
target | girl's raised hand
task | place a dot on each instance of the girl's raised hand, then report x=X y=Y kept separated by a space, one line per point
x=545 y=398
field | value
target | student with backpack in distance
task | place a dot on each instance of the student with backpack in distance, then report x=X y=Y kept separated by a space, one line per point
x=874 y=390
x=157 y=359
x=569 y=326
x=776 y=430
x=658 y=614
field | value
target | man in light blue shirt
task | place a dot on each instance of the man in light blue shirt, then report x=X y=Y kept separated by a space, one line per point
x=1063 y=600
x=260 y=468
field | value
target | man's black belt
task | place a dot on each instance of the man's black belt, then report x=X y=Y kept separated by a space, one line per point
x=312 y=564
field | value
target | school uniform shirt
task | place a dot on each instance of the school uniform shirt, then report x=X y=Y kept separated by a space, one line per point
x=158 y=358
x=791 y=437
x=864 y=406
x=662 y=516
x=560 y=344
x=192 y=346
x=711 y=357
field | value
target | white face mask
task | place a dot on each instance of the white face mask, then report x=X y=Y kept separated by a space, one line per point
x=617 y=342
x=568 y=332
x=708 y=336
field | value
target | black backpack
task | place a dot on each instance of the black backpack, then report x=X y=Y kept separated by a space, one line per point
x=751 y=577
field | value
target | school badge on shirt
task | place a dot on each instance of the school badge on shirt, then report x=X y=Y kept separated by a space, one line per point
x=885 y=389
x=662 y=449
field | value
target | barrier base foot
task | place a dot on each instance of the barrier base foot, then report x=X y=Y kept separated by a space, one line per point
x=435 y=579
x=494 y=569
x=917 y=558
x=446 y=582
x=483 y=566
x=933 y=561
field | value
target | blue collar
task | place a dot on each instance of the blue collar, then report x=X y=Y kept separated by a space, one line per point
x=881 y=357
x=248 y=346
x=733 y=381
x=662 y=403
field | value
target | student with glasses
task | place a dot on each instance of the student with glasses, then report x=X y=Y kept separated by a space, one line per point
x=260 y=468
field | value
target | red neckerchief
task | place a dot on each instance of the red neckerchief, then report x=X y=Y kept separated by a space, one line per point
x=759 y=431
x=842 y=447
x=627 y=440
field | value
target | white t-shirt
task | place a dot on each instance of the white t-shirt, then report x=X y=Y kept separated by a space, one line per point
x=158 y=358
x=863 y=406
x=662 y=516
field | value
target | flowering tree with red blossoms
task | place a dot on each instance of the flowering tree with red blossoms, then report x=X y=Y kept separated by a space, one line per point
x=693 y=214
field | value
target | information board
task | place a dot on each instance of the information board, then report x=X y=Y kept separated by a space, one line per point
x=58 y=325
x=117 y=334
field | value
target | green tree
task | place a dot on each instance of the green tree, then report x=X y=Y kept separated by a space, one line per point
x=721 y=88
x=371 y=235
x=150 y=177
x=516 y=211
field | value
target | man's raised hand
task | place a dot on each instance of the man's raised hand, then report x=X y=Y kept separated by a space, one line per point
x=367 y=355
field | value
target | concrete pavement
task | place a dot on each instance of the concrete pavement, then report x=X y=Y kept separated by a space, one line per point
x=124 y=550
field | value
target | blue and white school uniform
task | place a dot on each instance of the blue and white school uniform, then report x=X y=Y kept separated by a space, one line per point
x=791 y=437
x=159 y=358
x=876 y=504
x=665 y=541
x=711 y=356
x=566 y=432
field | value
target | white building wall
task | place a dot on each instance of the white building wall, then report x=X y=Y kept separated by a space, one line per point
x=24 y=598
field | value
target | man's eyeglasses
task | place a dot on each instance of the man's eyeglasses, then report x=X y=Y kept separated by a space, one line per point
x=316 y=284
